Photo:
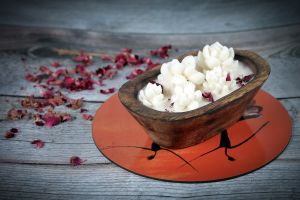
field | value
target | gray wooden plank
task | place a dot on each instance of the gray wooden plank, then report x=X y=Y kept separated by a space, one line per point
x=279 y=46
x=152 y=17
x=279 y=180
x=263 y=40
x=74 y=138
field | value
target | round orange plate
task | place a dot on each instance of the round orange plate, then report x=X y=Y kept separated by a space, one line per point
x=244 y=147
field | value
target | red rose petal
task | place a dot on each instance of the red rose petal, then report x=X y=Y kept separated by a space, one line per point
x=9 y=135
x=38 y=143
x=87 y=117
x=83 y=110
x=134 y=73
x=75 y=103
x=84 y=58
x=126 y=50
x=108 y=91
x=228 y=78
x=55 y=64
x=14 y=130
x=208 y=96
x=106 y=57
x=47 y=94
x=45 y=70
x=16 y=114
x=248 y=78
x=75 y=161
x=51 y=121
x=162 y=52
x=32 y=78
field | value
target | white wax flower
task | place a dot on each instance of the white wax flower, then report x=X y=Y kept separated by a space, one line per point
x=213 y=71
x=152 y=96
x=215 y=55
x=217 y=84
x=186 y=98
x=175 y=73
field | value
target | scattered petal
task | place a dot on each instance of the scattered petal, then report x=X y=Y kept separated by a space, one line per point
x=134 y=73
x=248 y=78
x=9 y=135
x=82 y=110
x=14 y=130
x=228 y=78
x=32 y=78
x=108 y=91
x=162 y=52
x=75 y=161
x=84 y=58
x=38 y=143
x=16 y=114
x=208 y=96
x=75 y=103
x=88 y=117
x=55 y=64
x=127 y=50
x=106 y=57
x=45 y=70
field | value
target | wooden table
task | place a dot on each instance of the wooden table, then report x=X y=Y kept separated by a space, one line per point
x=31 y=29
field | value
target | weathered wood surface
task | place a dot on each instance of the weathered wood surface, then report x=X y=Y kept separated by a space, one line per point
x=152 y=17
x=31 y=28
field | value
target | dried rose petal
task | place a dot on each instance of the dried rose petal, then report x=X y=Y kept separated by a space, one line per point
x=83 y=110
x=87 y=117
x=126 y=50
x=84 y=58
x=55 y=64
x=37 y=119
x=106 y=57
x=47 y=94
x=162 y=51
x=108 y=91
x=242 y=81
x=9 y=135
x=45 y=70
x=75 y=161
x=32 y=78
x=134 y=73
x=248 y=78
x=51 y=121
x=38 y=143
x=16 y=114
x=75 y=103
x=14 y=130
x=31 y=102
x=57 y=99
x=228 y=78
x=208 y=96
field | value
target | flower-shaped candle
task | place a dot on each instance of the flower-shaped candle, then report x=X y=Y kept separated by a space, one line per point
x=195 y=81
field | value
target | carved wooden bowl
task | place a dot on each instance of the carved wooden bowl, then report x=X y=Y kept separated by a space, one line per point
x=180 y=130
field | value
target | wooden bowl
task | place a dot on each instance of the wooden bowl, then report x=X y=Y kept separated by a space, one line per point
x=180 y=130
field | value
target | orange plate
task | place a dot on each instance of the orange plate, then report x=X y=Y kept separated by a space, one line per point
x=247 y=145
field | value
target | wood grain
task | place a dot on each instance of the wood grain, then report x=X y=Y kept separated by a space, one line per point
x=152 y=17
x=279 y=180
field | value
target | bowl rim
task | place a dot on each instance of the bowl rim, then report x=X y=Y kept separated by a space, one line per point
x=128 y=91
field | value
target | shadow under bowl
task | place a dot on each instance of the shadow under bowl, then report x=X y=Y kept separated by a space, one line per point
x=184 y=129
